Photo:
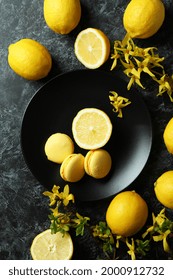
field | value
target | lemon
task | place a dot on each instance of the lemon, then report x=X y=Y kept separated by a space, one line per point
x=168 y=136
x=143 y=18
x=92 y=48
x=126 y=213
x=47 y=246
x=29 y=59
x=91 y=128
x=163 y=188
x=62 y=16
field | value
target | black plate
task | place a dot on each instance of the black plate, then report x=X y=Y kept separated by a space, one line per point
x=53 y=108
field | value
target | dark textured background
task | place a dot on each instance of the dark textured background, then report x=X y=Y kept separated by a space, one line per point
x=23 y=209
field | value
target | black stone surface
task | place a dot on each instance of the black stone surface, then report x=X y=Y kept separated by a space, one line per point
x=23 y=208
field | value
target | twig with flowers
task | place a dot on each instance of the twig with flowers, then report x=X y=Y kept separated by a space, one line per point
x=63 y=218
x=136 y=60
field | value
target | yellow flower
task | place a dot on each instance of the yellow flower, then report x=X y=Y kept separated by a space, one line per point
x=157 y=231
x=53 y=195
x=115 y=57
x=166 y=85
x=128 y=67
x=55 y=211
x=56 y=195
x=131 y=252
x=155 y=60
x=136 y=60
x=133 y=80
x=132 y=73
x=118 y=238
x=143 y=66
x=118 y=102
x=65 y=196
x=80 y=219
x=160 y=218
x=163 y=236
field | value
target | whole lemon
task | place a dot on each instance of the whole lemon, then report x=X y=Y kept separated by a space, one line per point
x=143 y=18
x=29 y=59
x=163 y=188
x=62 y=16
x=168 y=136
x=127 y=213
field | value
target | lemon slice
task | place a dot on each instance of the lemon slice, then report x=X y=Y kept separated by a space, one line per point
x=47 y=246
x=91 y=128
x=92 y=48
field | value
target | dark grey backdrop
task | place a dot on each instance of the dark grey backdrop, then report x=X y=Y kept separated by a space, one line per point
x=23 y=209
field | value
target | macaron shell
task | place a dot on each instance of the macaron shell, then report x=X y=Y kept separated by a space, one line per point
x=72 y=168
x=58 y=146
x=98 y=163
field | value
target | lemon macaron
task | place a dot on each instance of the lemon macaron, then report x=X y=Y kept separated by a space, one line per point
x=72 y=168
x=58 y=146
x=97 y=163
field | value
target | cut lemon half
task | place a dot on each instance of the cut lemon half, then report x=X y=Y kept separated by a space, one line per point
x=48 y=246
x=92 y=48
x=91 y=128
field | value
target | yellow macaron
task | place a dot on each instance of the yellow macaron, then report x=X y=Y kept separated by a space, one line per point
x=72 y=168
x=58 y=146
x=97 y=163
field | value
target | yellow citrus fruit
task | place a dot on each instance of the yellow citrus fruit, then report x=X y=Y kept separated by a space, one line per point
x=62 y=16
x=143 y=18
x=47 y=246
x=92 y=48
x=168 y=136
x=29 y=59
x=127 y=213
x=91 y=128
x=163 y=188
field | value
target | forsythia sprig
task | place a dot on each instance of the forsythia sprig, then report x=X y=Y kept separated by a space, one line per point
x=103 y=232
x=136 y=60
x=118 y=102
x=160 y=230
x=63 y=218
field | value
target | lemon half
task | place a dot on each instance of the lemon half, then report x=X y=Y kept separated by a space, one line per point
x=47 y=246
x=92 y=48
x=91 y=128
